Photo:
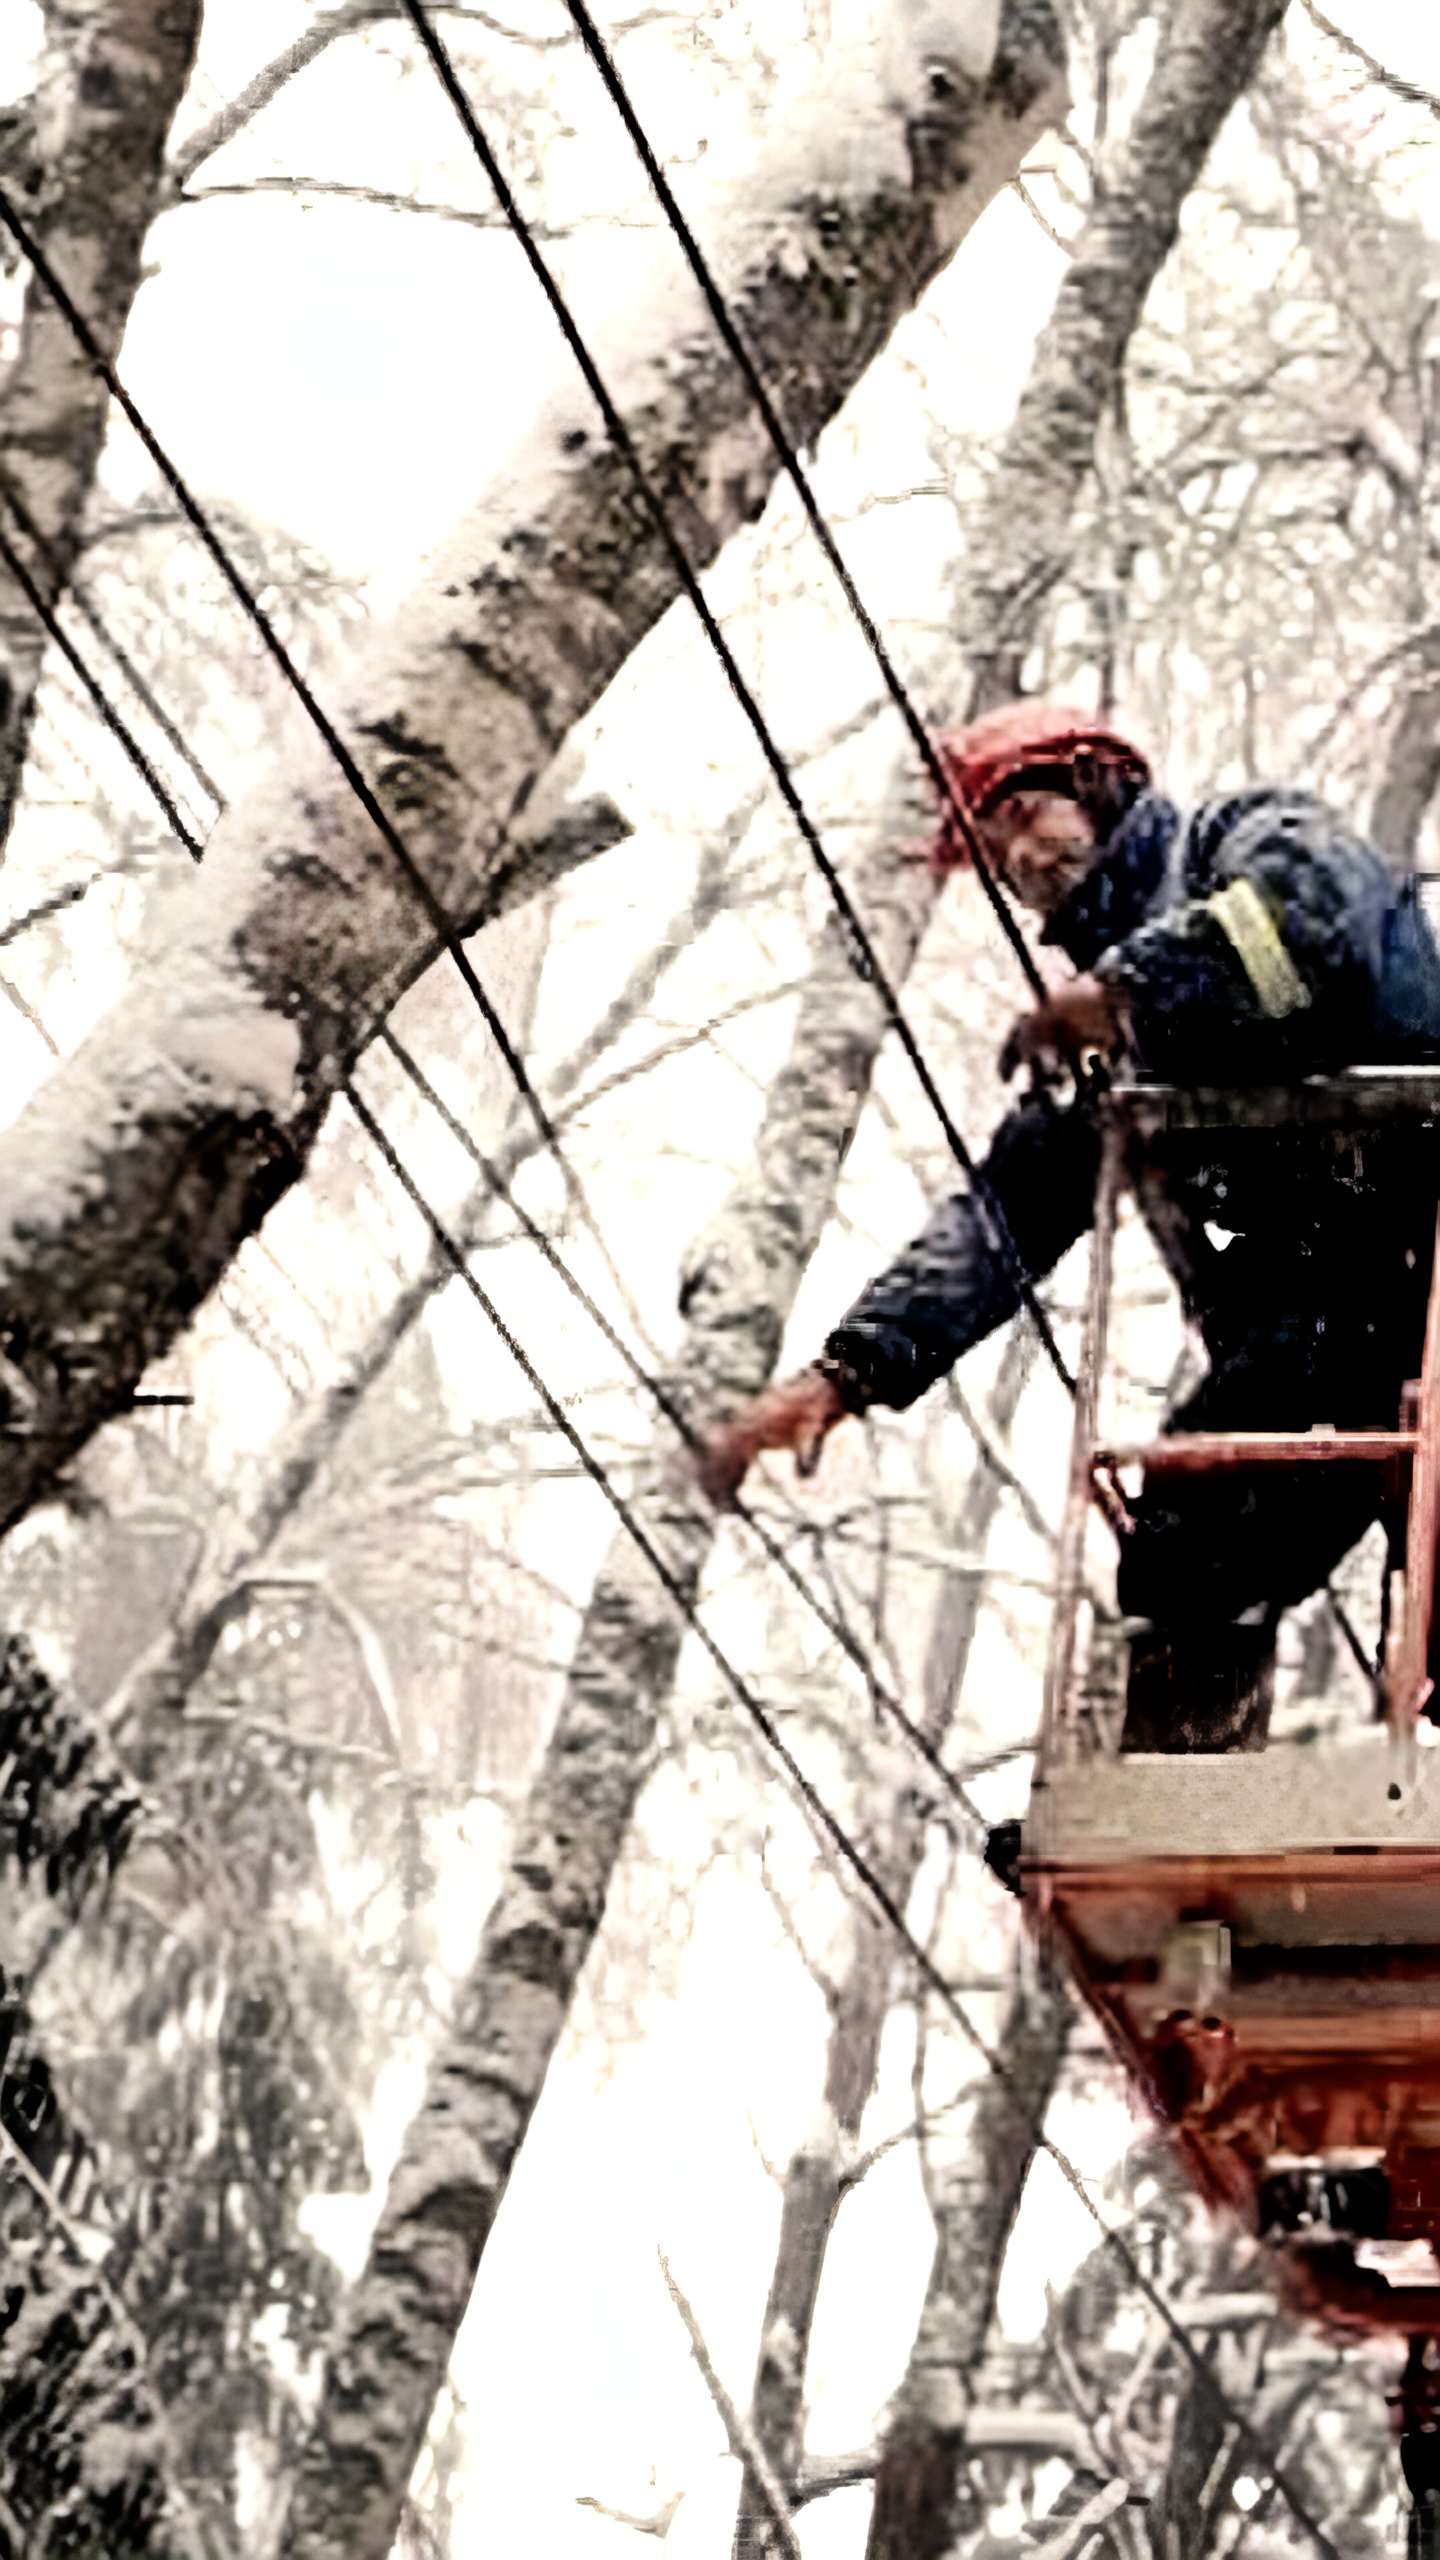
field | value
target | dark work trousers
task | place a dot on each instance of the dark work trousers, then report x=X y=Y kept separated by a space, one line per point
x=1214 y=1558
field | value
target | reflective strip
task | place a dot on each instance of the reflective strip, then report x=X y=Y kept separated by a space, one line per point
x=1249 y=927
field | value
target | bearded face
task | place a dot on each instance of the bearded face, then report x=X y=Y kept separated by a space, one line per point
x=1043 y=844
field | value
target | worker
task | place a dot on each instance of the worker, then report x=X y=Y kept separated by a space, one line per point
x=1260 y=942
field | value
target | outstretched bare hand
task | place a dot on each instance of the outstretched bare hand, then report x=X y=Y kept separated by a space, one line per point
x=796 y=1415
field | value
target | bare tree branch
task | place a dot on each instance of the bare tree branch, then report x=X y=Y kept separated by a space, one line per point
x=659 y=2524
x=323 y=31
x=51 y=906
x=744 y=2443
x=1095 y=2512
x=218 y=1587
x=975 y=2211
x=383 y=198
x=1208 y=52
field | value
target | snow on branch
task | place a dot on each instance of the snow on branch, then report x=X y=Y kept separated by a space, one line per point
x=193 y=1105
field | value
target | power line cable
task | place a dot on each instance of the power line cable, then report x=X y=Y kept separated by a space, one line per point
x=864 y=957
x=799 y=478
x=330 y=737
x=51 y=906
x=826 y=1822
x=667 y=1404
x=86 y=607
x=760 y=1716
x=118 y=728
x=675 y=1414
x=254 y=611
x=140 y=685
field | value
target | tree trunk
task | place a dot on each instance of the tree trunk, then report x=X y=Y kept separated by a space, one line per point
x=400 y=2323
x=85 y=156
x=218 y=1587
x=1209 y=53
x=891 y=1827
x=916 y=2480
x=1412 y=764
x=148 y=1157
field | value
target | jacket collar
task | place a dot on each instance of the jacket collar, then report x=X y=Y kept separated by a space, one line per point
x=1126 y=884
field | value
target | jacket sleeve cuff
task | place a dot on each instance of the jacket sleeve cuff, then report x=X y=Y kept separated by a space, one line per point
x=848 y=1384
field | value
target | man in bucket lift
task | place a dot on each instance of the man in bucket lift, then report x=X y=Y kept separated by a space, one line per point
x=1260 y=942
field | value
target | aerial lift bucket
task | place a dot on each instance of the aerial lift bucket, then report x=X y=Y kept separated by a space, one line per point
x=1258 y=1929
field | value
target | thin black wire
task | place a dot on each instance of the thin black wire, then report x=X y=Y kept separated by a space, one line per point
x=864 y=957
x=51 y=906
x=1346 y=1625
x=118 y=728
x=863 y=953
x=85 y=606
x=827 y=1823
x=255 y=614
x=795 y=471
x=680 y=1422
x=536 y=1234
x=819 y=1812
x=814 y=1803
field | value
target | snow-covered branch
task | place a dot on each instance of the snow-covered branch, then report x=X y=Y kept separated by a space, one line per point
x=194 y=1104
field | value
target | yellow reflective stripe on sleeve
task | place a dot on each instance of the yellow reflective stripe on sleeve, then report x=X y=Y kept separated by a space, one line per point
x=1249 y=927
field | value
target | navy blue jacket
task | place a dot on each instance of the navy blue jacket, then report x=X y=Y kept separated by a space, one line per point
x=1259 y=943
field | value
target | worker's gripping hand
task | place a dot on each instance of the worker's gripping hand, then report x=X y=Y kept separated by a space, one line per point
x=796 y=1415
x=1075 y=1021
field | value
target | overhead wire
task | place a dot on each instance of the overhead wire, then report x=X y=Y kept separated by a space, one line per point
x=883 y=1697
x=827 y=1823
x=951 y=800
x=864 y=957
x=119 y=729
x=335 y=746
x=140 y=685
x=78 y=595
x=863 y=954
x=670 y=1407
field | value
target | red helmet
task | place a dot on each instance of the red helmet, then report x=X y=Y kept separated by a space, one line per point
x=1036 y=746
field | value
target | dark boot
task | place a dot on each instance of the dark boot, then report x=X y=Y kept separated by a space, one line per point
x=1194 y=1689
